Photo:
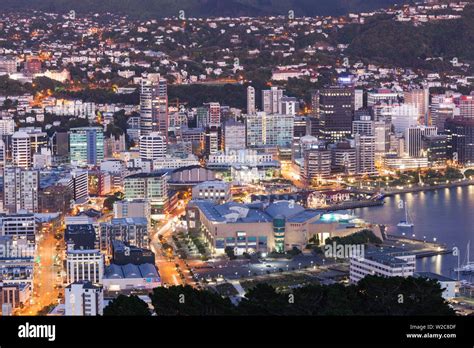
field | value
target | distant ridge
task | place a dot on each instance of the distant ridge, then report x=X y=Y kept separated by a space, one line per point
x=202 y=8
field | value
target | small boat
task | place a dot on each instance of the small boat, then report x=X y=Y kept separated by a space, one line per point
x=406 y=223
x=378 y=197
x=468 y=267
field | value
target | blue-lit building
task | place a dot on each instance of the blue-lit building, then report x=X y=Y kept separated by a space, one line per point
x=86 y=146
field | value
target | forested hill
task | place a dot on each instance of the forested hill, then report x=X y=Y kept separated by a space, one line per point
x=202 y=8
x=385 y=40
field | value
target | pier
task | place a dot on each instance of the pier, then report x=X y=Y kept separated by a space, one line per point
x=355 y=204
x=417 y=247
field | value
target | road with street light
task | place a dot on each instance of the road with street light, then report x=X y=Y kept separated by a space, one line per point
x=49 y=263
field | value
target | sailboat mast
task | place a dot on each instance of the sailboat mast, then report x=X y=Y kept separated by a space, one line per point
x=406 y=212
x=468 y=251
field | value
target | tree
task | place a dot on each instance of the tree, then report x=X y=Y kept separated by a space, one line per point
x=230 y=252
x=43 y=83
x=399 y=296
x=110 y=200
x=469 y=173
x=127 y=305
x=186 y=300
x=453 y=174
x=362 y=237
x=314 y=240
x=264 y=300
x=294 y=251
x=334 y=299
x=372 y=295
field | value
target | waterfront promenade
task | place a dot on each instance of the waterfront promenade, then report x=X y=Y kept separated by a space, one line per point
x=414 y=188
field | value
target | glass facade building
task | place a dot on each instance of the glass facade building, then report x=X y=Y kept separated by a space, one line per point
x=86 y=146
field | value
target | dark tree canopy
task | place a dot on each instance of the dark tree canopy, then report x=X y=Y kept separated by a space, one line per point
x=127 y=305
x=371 y=296
x=185 y=300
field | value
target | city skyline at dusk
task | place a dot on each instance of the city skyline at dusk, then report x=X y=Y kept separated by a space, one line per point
x=252 y=158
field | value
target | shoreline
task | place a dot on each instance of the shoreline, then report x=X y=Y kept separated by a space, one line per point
x=354 y=205
x=394 y=192
x=431 y=248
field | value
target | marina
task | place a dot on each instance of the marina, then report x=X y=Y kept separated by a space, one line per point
x=442 y=216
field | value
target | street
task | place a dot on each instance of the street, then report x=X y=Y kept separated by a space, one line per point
x=45 y=275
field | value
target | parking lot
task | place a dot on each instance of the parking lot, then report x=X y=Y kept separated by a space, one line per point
x=243 y=268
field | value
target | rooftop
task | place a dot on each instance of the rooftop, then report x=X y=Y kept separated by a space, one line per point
x=146 y=270
x=233 y=212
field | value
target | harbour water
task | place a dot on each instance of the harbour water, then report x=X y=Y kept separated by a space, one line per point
x=445 y=216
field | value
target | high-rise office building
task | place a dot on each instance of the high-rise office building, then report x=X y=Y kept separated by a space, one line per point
x=152 y=146
x=79 y=184
x=343 y=158
x=316 y=164
x=414 y=139
x=300 y=130
x=315 y=103
x=363 y=126
x=435 y=148
x=271 y=100
x=460 y=132
x=269 y=130
x=234 y=136
x=154 y=106
x=212 y=140
x=38 y=139
x=288 y=106
x=382 y=131
x=466 y=106
x=442 y=108
x=336 y=105
x=251 y=100
x=214 y=114
x=365 y=154
x=358 y=99
x=202 y=117
x=20 y=191
x=84 y=265
x=419 y=98
x=21 y=150
x=152 y=187
x=404 y=116
x=86 y=146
